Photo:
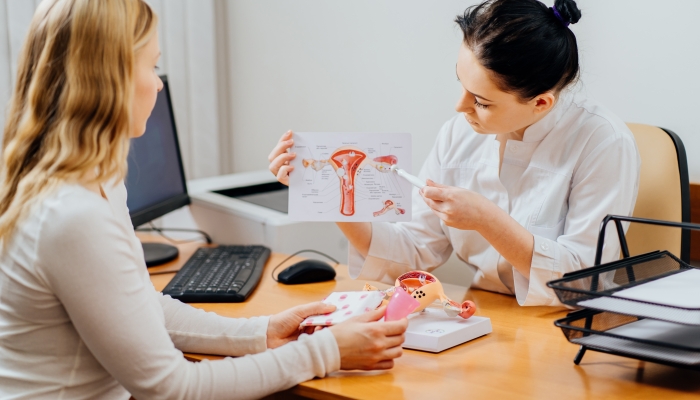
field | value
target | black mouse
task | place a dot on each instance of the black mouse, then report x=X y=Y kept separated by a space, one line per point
x=306 y=271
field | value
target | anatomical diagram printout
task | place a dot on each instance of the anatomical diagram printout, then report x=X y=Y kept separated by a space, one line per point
x=348 y=177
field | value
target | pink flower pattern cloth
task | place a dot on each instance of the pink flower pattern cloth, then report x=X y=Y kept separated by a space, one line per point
x=348 y=305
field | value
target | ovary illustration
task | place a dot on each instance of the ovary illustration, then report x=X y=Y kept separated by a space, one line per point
x=389 y=205
x=347 y=161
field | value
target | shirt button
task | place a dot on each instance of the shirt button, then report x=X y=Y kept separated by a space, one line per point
x=513 y=149
x=544 y=246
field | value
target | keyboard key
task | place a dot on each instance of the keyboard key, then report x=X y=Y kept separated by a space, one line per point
x=219 y=274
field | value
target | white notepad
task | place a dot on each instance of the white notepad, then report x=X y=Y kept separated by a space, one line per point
x=433 y=331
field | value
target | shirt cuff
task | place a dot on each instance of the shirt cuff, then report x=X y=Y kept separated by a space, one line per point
x=329 y=349
x=250 y=338
x=545 y=260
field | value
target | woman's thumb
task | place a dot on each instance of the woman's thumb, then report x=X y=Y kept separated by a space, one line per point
x=373 y=315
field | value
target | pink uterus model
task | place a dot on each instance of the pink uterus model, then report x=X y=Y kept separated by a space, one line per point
x=347 y=162
x=426 y=288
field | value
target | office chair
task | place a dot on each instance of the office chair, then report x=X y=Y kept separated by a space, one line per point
x=664 y=193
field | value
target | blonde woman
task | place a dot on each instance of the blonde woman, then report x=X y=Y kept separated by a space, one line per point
x=79 y=317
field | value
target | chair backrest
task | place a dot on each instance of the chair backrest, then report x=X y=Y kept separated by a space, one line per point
x=664 y=192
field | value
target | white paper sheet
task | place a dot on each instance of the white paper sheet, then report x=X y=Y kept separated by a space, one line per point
x=346 y=177
x=678 y=290
x=660 y=331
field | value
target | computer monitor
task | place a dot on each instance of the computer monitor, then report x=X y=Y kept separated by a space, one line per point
x=155 y=181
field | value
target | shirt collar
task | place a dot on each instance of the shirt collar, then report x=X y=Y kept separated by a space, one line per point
x=537 y=131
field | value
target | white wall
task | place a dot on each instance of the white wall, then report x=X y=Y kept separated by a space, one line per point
x=363 y=65
x=188 y=40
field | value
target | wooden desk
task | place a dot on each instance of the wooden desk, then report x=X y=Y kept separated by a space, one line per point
x=526 y=356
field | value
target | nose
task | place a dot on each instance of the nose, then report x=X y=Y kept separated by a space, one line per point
x=465 y=104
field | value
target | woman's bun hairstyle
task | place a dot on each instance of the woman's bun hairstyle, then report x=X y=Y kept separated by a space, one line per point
x=568 y=10
x=526 y=45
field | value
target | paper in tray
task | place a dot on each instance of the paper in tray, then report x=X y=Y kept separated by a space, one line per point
x=654 y=285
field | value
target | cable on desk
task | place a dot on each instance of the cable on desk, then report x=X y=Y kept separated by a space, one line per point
x=160 y=231
x=272 y=274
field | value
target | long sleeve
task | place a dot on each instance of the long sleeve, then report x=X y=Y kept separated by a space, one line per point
x=88 y=261
x=605 y=182
x=197 y=331
x=400 y=247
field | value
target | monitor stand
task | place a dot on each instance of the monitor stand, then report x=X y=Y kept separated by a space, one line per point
x=158 y=253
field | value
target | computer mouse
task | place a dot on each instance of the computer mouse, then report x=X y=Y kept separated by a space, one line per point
x=306 y=271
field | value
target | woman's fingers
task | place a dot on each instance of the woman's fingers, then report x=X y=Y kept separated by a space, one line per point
x=393 y=328
x=315 y=308
x=394 y=352
x=434 y=193
x=436 y=206
x=283 y=174
x=432 y=183
x=386 y=364
x=283 y=144
x=282 y=159
x=395 y=341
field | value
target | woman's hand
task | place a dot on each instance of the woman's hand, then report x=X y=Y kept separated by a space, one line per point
x=458 y=208
x=279 y=158
x=284 y=327
x=467 y=210
x=367 y=344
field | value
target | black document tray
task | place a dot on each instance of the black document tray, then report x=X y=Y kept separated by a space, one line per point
x=609 y=331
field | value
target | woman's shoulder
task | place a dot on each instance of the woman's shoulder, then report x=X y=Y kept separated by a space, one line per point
x=71 y=210
x=598 y=122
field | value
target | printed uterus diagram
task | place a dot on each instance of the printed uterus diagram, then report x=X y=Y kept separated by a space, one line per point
x=347 y=162
x=347 y=177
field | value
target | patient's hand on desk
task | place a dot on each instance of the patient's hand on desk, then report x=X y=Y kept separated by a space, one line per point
x=284 y=327
x=367 y=344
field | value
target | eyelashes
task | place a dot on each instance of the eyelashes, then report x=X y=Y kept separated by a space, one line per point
x=480 y=105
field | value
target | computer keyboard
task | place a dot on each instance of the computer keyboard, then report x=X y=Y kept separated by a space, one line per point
x=223 y=274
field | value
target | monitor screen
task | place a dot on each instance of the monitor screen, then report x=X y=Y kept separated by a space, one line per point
x=155 y=181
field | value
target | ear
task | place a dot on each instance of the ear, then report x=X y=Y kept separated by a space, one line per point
x=543 y=102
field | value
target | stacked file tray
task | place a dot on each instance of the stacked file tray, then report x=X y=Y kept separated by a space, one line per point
x=645 y=307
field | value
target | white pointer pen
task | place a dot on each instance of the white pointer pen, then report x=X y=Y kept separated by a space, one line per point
x=405 y=175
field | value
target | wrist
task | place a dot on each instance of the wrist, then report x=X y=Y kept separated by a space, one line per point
x=488 y=213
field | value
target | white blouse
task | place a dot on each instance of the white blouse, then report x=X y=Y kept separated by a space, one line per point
x=80 y=319
x=572 y=168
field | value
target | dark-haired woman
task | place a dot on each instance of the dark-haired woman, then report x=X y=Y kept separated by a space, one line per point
x=526 y=170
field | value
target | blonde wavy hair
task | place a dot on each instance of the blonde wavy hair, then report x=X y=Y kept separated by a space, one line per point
x=69 y=119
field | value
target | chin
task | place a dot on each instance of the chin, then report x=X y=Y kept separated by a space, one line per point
x=138 y=132
x=478 y=128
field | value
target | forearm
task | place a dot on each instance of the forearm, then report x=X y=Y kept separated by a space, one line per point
x=359 y=235
x=509 y=238
x=196 y=331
